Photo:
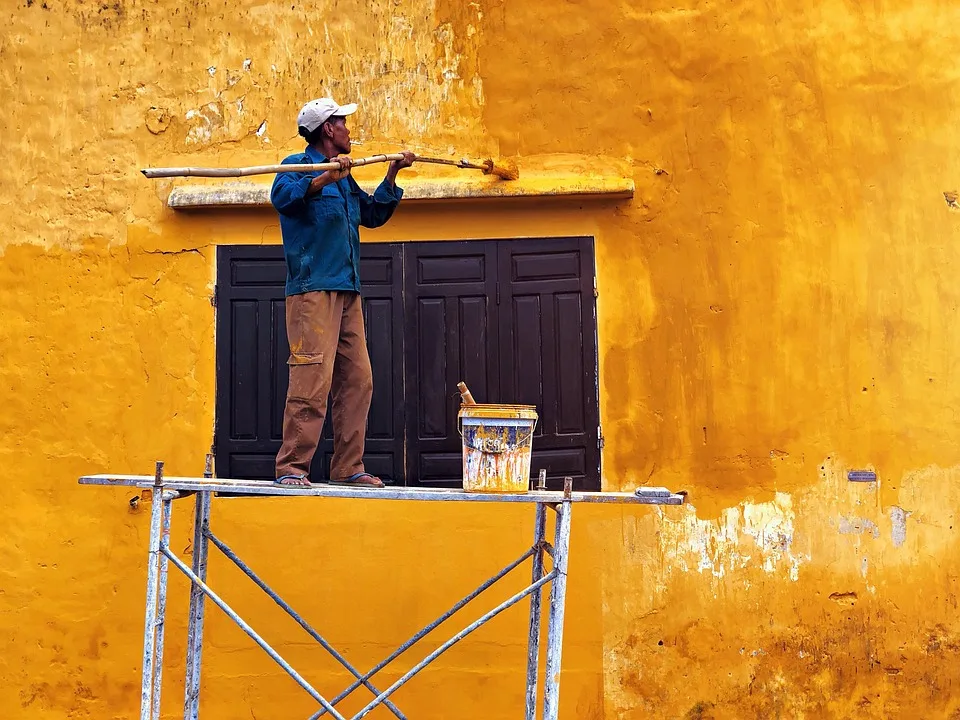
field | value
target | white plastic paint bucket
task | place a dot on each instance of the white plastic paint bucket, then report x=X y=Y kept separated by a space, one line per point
x=497 y=444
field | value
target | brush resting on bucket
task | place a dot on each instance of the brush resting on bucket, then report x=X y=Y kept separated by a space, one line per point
x=497 y=445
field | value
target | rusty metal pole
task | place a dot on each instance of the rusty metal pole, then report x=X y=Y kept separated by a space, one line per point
x=558 y=596
x=201 y=524
x=150 y=620
x=167 y=500
x=533 y=639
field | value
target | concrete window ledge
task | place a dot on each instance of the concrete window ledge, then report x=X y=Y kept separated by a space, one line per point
x=240 y=194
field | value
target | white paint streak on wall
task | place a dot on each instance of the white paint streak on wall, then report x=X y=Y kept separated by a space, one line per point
x=858 y=526
x=898 y=521
x=750 y=533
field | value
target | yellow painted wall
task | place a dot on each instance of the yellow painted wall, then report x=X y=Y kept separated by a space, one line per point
x=775 y=309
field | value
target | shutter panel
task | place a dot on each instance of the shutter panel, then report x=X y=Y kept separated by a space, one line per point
x=251 y=351
x=451 y=329
x=548 y=352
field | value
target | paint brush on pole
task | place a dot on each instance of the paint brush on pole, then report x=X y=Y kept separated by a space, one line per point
x=501 y=169
x=504 y=170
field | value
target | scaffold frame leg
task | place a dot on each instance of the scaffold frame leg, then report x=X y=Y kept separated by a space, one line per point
x=558 y=596
x=533 y=634
x=161 y=621
x=201 y=523
x=153 y=590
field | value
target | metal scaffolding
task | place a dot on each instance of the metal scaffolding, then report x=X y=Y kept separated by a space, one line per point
x=164 y=491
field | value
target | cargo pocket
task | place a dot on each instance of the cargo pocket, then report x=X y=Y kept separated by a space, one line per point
x=307 y=376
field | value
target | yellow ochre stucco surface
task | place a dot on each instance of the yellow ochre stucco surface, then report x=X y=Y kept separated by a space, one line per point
x=775 y=309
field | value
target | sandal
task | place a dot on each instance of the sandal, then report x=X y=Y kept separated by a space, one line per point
x=360 y=479
x=302 y=478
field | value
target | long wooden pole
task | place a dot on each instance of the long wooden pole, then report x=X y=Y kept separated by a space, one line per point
x=261 y=169
x=506 y=171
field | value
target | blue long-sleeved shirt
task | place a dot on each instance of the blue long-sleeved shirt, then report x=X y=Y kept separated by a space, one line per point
x=321 y=233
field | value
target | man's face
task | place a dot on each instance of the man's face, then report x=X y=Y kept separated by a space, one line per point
x=340 y=135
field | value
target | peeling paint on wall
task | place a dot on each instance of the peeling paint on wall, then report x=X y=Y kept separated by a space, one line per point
x=898 y=522
x=757 y=534
x=858 y=526
x=867 y=604
x=412 y=67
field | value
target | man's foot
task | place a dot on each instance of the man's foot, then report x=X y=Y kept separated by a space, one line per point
x=300 y=480
x=361 y=479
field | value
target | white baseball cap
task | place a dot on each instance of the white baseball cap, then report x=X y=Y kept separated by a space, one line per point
x=316 y=112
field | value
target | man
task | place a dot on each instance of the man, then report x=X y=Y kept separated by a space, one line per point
x=320 y=215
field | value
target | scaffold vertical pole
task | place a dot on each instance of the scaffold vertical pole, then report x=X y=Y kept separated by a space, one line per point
x=533 y=639
x=150 y=619
x=161 y=621
x=558 y=593
x=201 y=524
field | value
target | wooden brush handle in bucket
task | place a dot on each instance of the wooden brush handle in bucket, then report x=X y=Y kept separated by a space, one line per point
x=466 y=396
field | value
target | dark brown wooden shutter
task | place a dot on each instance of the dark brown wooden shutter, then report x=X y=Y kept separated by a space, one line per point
x=515 y=319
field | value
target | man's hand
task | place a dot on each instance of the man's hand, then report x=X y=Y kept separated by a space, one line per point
x=397 y=165
x=331 y=176
x=408 y=158
x=345 y=164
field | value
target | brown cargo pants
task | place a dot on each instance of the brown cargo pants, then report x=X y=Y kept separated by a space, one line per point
x=328 y=356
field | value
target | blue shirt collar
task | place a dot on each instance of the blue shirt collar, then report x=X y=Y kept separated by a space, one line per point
x=315 y=155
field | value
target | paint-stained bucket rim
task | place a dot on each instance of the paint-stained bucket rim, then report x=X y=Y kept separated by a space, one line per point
x=501 y=412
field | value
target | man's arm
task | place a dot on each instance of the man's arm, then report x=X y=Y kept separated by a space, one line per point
x=330 y=176
x=376 y=209
x=290 y=190
x=397 y=165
